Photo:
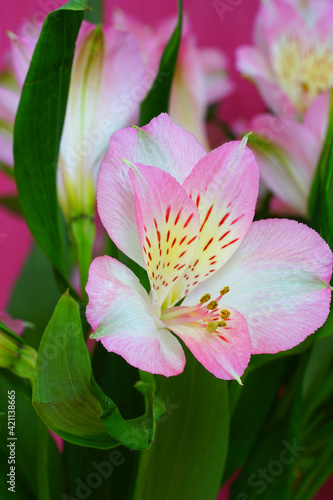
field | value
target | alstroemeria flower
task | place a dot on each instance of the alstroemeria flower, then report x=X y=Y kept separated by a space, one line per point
x=291 y=61
x=200 y=77
x=186 y=216
x=289 y=156
x=106 y=76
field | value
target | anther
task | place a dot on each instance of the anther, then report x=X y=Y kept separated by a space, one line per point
x=225 y=314
x=212 y=305
x=205 y=298
x=211 y=326
x=224 y=290
x=221 y=324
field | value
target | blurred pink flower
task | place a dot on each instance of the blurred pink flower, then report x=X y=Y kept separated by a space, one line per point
x=16 y=325
x=201 y=74
x=289 y=155
x=186 y=216
x=291 y=61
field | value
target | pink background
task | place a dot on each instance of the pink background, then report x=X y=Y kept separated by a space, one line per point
x=223 y=30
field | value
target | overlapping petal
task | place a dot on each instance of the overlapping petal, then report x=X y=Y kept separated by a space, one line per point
x=224 y=186
x=161 y=144
x=168 y=223
x=278 y=280
x=9 y=102
x=123 y=318
x=225 y=354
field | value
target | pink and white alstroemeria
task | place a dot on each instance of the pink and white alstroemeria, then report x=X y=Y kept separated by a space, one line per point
x=289 y=159
x=291 y=60
x=200 y=77
x=106 y=76
x=186 y=216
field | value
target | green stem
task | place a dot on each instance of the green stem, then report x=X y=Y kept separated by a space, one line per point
x=83 y=232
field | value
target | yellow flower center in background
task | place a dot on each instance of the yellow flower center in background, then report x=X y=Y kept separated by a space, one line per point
x=304 y=69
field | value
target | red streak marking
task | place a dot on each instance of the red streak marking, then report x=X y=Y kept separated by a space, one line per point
x=153 y=275
x=168 y=236
x=178 y=215
x=174 y=279
x=198 y=200
x=163 y=282
x=233 y=222
x=155 y=223
x=224 y=235
x=191 y=240
x=231 y=242
x=181 y=266
x=207 y=274
x=181 y=255
x=149 y=255
x=145 y=228
x=223 y=338
x=212 y=271
x=145 y=251
x=174 y=241
x=188 y=221
x=206 y=218
x=167 y=251
x=208 y=244
x=224 y=219
x=168 y=264
x=158 y=236
x=182 y=240
x=210 y=258
x=195 y=263
x=197 y=276
x=147 y=240
x=175 y=267
x=160 y=253
x=195 y=283
x=167 y=214
x=211 y=263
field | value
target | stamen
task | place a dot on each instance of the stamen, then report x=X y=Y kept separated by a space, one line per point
x=205 y=298
x=224 y=290
x=225 y=314
x=212 y=305
x=211 y=326
x=221 y=324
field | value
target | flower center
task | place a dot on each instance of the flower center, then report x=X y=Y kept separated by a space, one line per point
x=305 y=69
x=205 y=314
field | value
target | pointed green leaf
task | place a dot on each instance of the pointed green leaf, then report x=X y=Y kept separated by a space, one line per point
x=38 y=127
x=157 y=100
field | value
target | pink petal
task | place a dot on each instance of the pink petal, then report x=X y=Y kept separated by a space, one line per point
x=8 y=106
x=22 y=49
x=224 y=185
x=107 y=86
x=122 y=317
x=168 y=223
x=216 y=81
x=16 y=325
x=278 y=280
x=162 y=144
x=287 y=166
x=226 y=352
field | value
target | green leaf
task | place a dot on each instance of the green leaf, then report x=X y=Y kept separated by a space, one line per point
x=38 y=127
x=157 y=100
x=254 y=403
x=62 y=392
x=34 y=296
x=28 y=430
x=66 y=396
x=321 y=195
x=187 y=458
